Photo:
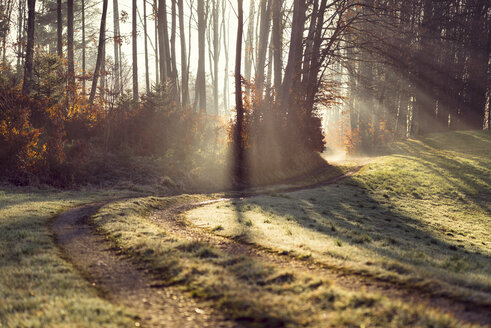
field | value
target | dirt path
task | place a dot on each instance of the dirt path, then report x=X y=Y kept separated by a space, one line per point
x=121 y=281
x=172 y=221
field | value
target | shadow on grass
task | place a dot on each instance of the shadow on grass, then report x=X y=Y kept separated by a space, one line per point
x=356 y=216
x=358 y=219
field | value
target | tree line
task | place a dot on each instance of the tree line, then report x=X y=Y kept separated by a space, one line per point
x=385 y=69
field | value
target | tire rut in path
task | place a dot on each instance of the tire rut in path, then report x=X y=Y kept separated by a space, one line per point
x=122 y=281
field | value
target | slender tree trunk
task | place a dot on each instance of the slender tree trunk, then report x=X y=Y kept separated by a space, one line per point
x=263 y=45
x=117 y=46
x=184 y=77
x=20 y=37
x=147 y=77
x=59 y=29
x=200 y=77
x=155 y=15
x=216 y=55
x=173 y=40
x=71 y=61
x=135 y=51
x=292 y=71
x=165 y=61
x=100 y=52
x=83 y=48
x=249 y=46
x=161 y=43
x=225 y=48
x=270 y=69
x=8 y=12
x=103 y=73
x=31 y=16
x=239 y=147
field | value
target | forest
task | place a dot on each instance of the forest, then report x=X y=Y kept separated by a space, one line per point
x=258 y=163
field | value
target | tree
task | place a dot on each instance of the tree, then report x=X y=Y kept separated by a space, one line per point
x=135 y=51
x=276 y=40
x=214 y=50
x=249 y=48
x=100 y=52
x=262 y=45
x=83 y=47
x=117 y=49
x=147 y=78
x=71 y=61
x=200 y=90
x=155 y=15
x=184 y=65
x=31 y=16
x=239 y=168
x=59 y=44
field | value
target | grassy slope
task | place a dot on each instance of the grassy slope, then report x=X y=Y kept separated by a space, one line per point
x=420 y=215
x=256 y=293
x=420 y=212
x=37 y=287
x=417 y=216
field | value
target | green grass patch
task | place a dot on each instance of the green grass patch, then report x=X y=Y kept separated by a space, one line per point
x=420 y=215
x=251 y=291
x=37 y=287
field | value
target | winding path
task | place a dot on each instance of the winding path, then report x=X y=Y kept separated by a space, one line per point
x=122 y=280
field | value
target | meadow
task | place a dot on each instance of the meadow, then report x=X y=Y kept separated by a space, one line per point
x=416 y=218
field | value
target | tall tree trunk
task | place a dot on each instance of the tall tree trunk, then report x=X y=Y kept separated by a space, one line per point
x=135 y=51
x=155 y=15
x=31 y=16
x=263 y=45
x=100 y=52
x=225 y=48
x=239 y=147
x=216 y=54
x=71 y=61
x=249 y=46
x=184 y=76
x=292 y=71
x=173 y=41
x=147 y=77
x=269 y=74
x=59 y=29
x=83 y=48
x=200 y=97
x=20 y=36
x=8 y=14
x=117 y=46
x=165 y=61
x=103 y=73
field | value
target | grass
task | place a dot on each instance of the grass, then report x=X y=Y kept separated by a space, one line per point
x=419 y=216
x=37 y=287
x=256 y=293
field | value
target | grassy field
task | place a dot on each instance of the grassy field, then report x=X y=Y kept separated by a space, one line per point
x=252 y=291
x=419 y=215
x=37 y=287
